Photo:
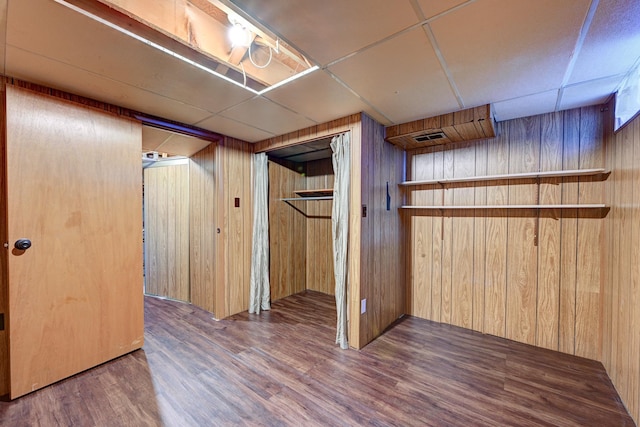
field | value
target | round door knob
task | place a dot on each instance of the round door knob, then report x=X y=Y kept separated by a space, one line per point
x=22 y=244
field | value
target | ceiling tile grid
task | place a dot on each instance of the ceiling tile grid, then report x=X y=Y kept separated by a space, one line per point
x=612 y=45
x=592 y=92
x=28 y=66
x=529 y=105
x=504 y=49
x=234 y=128
x=331 y=29
x=321 y=98
x=268 y=116
x=397 y=61
x=400 y=77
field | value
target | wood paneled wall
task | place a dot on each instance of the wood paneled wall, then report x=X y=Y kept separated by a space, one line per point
x=320 y=274
x=221 y=232
x=523 y=275
x=382 y=280
x=235 y=164
x=166 y=227
x=621 y=299
x=203 y=227
x=287 y=233
x=300 y=243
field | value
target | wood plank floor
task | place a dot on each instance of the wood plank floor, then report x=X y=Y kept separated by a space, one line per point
x=282 y=368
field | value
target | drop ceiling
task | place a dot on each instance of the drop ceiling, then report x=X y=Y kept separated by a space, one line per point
x=397 y=61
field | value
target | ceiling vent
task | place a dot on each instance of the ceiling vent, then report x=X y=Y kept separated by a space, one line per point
x=465 y=125
x=429 y=137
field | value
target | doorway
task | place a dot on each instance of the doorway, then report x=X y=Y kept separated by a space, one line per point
x=166 y=211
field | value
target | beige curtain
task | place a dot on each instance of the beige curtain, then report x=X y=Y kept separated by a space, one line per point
x=260 y=292
x=340 y=230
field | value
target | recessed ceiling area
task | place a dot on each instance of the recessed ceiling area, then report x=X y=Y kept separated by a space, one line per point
x=159 y=144
x=210 y=33
x=310 y=151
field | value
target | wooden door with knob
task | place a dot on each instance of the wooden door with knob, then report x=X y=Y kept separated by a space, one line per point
x=73 y=238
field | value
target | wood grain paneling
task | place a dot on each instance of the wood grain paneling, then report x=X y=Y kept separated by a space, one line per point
x=382 y=246
x=464 y=125
x=569 y=235
x=548 y=263
x=495 y=300
x=220 y=232
x=524 y=156
x=621 y=291
x=319 y=241
x=235 y=162
x=479 y=252
x=166 y=220
x=203 y=228
x=462 y=240
x=513 y=273
x=287 y=233
x=590 y=239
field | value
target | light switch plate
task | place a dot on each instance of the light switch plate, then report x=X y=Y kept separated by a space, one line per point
x=363 y=306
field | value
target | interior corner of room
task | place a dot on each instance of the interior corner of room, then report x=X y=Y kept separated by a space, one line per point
x=423 y=169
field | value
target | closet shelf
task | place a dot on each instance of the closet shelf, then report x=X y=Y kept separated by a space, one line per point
x=525 y=175
x=453 y=207
x=311 y=195
x=306 y=199
x=324 y=192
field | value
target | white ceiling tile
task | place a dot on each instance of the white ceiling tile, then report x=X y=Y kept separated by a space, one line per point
x=263 y=114
x=175 y=144
x=502 y=49
x=319 y=97
x=182 y=145
x=49 y=29
x=234 y=129
x=593 y=92
x=402 y=78
x=612 y=44
x=330 y=29
x=529 y=105
x=431 y=8
x=152 y=138
x=27 y=66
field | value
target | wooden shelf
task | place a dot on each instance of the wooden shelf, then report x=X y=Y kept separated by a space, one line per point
x=525 y=175
x=453 y=207
x=306 y=199
x=324 y=192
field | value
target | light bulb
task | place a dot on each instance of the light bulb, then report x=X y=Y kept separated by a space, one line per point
x=239 y=35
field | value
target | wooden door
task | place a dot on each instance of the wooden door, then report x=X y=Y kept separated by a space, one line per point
x=74 y=190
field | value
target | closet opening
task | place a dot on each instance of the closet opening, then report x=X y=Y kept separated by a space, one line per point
x=301 y=181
